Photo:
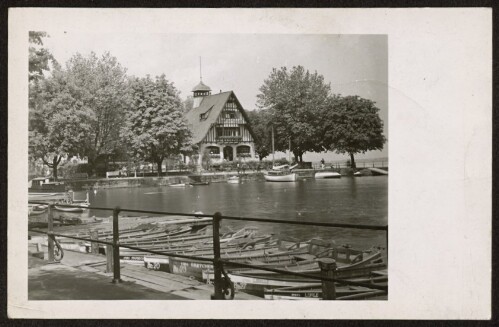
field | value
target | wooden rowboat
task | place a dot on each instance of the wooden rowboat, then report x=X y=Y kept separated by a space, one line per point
x=327 y=175
x=280 y=177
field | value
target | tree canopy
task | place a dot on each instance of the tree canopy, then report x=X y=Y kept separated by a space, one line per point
x=155 y=127
x=295 y=99
x=57 y=122
x=79 y=109
x=39 y=57
x=259 y=121
x=352 y=125
x=60 y=123
x=101 y=85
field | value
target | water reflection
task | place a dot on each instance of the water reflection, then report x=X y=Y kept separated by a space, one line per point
x=353 y=200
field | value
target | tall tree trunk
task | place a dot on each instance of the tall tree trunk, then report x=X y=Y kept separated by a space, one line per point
x=301 y=157
x=352 y=161
x=55 y=162
x=160 y=169
x=54 y=169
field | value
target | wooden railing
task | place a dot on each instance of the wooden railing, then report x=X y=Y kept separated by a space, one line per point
x=221 y=281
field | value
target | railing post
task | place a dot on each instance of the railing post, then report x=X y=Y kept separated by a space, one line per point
x=217 y=265
x=109 y=258
x=328 y=270
x=94 y=235
x=116 y=248
x=386 y=233
x=50 y=227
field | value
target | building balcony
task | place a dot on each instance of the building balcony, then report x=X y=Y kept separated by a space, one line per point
x=229 y=139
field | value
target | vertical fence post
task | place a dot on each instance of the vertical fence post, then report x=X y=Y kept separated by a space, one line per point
x=50 y=227
x=94 y=235
x=328 y=270
x=217 y=265
x=116 y=248
x=386 y=233
x=109 y=258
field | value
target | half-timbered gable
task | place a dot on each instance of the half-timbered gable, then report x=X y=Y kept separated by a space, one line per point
x=220 y=127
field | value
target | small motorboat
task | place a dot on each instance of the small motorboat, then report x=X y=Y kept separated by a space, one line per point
x=177 y=185
x=79 y=205
x=37 y=210
x=278 y=176
x=199 y=183
x=45 y=185
x=327 y=174
x=233 y=180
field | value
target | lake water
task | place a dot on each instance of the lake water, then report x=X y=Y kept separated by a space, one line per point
x=362 y=200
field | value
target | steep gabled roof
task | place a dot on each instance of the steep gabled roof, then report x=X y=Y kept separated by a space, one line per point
x=211 y=106
x=200 y=119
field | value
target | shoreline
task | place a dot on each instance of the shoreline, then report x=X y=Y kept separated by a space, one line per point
x=212 y=177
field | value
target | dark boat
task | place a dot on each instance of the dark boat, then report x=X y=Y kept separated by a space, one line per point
x=199 y=183
x=45 y=185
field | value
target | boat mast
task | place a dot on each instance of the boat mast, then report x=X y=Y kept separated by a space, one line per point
x=272 y=146
x=289 y=153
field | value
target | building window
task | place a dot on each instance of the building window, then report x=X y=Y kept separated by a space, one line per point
x=213 y=149
x=243 y=151
x=227 y=131
x=230 y=115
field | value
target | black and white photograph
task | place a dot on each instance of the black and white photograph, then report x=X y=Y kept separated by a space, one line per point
x=228 y=163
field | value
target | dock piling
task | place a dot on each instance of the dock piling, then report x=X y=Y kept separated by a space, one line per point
x=328 y=270
x=116 y=248
x=50 y=227
x=109 y=258
x=217 y=265
x=94 y=235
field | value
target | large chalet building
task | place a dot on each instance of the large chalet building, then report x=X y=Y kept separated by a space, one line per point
x=220 y=126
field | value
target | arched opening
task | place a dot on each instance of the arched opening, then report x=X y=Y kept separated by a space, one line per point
x=228 y=153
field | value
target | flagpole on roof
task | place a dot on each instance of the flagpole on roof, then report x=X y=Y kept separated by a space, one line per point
x=200 y=71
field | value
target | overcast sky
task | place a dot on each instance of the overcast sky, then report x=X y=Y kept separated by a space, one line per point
x=353 y=64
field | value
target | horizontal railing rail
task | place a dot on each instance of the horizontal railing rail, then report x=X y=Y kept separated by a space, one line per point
x=217 y=260
x=254 y=219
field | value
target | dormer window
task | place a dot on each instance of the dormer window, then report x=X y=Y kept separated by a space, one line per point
x=205 y=114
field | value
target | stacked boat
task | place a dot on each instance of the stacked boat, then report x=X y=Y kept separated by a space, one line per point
x=246 y=246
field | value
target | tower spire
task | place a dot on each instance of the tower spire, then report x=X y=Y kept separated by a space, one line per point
x=201 y=90
x=200 y=70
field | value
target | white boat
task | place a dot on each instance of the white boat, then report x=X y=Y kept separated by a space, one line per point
x=281 y=173
x=177 y=185
x=233 y=180
x=280 y=177
x=70 y=200
x=70 y=209
x=327 y=174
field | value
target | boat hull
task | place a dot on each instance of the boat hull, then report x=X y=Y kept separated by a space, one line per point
x=69 y=209
x=281 y=178
x=327 y=175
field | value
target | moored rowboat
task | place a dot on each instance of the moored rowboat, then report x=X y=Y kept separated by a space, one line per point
x=280 y=177
x=327 y=174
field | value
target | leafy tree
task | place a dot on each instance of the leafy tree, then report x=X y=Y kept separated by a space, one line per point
x=79 y=108
x=295 y=99
x=100 y=84
x=60 y=123
x=188 y=103
x=155 y=127
x=259 y=122
x=39 y=57
x=352 y=126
